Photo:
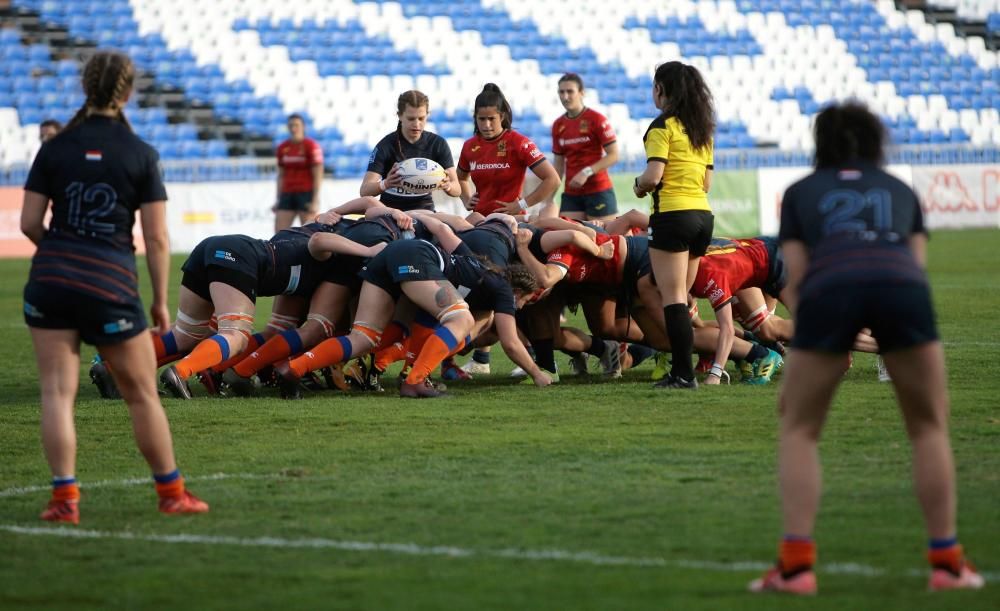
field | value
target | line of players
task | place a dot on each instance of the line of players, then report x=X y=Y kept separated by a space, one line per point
x=463 y=284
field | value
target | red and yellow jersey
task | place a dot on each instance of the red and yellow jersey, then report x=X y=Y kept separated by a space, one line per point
x=497 y=167
x=730 y=266
x=683 y=182
x=297 y=159
x=582 y=267
x=581 y=140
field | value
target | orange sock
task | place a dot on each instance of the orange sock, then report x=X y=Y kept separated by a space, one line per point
x=436 y=348
x=271 y=352
x=328 y=352
x=796 y=555
x=252 y=344
x=67 y=492
x=208 y=352
x=388 y=356
x=165 y=347
x=415 y=343
x=950 y=558
x=170 y=489
x=395 y=332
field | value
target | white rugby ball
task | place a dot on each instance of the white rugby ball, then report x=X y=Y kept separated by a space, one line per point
x=420 y=175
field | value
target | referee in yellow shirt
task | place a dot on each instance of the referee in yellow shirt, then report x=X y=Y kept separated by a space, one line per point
x=677 y=176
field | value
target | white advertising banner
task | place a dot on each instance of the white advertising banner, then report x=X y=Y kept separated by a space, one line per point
x=956 y=196
x=196 y=211
x=772 y=182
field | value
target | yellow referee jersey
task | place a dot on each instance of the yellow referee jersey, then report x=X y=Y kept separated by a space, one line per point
x=682 y=185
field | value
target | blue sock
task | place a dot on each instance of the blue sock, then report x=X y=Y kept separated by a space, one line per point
x=58 y=482
x=166 y=478
x=942 y=543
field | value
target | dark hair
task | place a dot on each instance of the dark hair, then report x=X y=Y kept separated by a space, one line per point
x=492 y=96
x=521 y=279
x=689 y=99
x=50 y=123
x=848 y=131
x=107 y=80
x=294 y=116
x=572 y=77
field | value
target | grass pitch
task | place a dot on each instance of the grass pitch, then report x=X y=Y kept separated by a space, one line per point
x=589 y=495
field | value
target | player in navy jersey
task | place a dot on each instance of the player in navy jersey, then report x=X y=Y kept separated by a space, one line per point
x=855 y=248
x=449 y=283
x=408 y=141
x=223 y=277
x=338 y=285
x=84 y=284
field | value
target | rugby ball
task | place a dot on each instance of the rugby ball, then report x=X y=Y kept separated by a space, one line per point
x=420 y=175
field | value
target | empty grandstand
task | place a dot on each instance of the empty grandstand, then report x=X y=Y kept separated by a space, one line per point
x=217 y=79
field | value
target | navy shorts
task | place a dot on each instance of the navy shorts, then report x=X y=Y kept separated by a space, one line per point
x=777 y=276
x=99 y=322
x=900 y=316
x=234 y=260
x=636 y=265
x=404 y=261
x=682 y=231
x=602 y=203
x=296 y=202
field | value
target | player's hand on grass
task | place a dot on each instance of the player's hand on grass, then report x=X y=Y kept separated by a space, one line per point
x=542 y=379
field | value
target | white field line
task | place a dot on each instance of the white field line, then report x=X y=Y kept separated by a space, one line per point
x=410 y=549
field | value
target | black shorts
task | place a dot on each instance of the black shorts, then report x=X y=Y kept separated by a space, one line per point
x=777 y=276
x=296 y=202
x=234 y=260
x=681 y=231
x=99 y=322
x=900 y=316
x=345 y=272
x=404 y=261
x=602 y=203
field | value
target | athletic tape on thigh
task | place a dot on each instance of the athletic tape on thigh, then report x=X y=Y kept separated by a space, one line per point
x=756 y=318
x=280 y=322
x=324 y=322
x=195 y=329
x=236 y=321
x=453 y=310
x=371 y=333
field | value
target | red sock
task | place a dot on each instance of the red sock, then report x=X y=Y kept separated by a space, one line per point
x=272 y=351
x=327 y=352
x=208 y=352
x=950 y=558
x=796 y=555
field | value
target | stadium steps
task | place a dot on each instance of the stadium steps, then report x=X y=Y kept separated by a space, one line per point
x=150 y=92
x=963 y=26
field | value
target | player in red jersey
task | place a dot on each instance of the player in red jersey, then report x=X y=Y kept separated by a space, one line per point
x=300 y=174
x=496 y=158
x=585 y=146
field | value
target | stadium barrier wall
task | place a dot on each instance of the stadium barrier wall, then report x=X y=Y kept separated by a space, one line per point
x=746 y=203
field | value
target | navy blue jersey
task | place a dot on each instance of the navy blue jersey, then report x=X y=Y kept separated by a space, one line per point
x=493 y=240
x=856 y=221
x=535 y=246
x=97 y=175
x=395 y=148
x=481 y=288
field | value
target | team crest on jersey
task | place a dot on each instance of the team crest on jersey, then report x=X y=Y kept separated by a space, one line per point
x=225 y=255
x=501 y=149
x=475 y=148
x=407 y=269
x=93 y=155
x=584 y=126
